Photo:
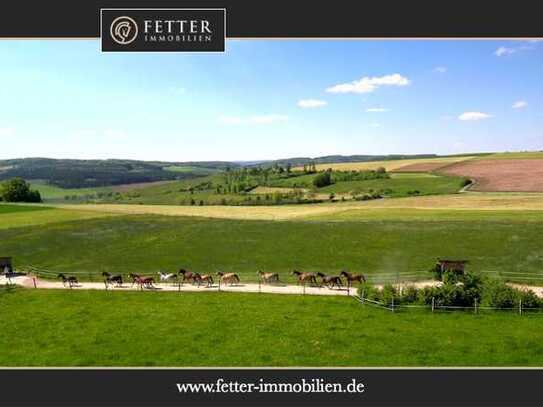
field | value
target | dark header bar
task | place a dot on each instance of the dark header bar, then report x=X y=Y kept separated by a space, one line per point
x=301 y=18
x=384 y=388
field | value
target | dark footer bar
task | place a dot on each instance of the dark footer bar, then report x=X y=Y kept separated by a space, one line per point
x=271 y=387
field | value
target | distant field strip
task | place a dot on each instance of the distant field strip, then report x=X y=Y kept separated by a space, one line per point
x=391 y=165
x=466 y=201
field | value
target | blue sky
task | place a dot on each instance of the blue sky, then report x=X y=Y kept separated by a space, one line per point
x=270 y=99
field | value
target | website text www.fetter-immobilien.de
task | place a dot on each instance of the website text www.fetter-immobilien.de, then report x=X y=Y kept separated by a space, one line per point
x=262 y=386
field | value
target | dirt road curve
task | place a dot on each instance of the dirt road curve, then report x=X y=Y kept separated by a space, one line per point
x=239 y=288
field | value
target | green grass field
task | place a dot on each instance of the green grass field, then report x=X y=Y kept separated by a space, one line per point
x=92 y=328
x=399 y=185
x=382 y=242
x=15 y=216
x=53 y=193
x=191 y=169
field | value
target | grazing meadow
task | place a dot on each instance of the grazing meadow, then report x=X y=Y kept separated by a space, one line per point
x=99 y=328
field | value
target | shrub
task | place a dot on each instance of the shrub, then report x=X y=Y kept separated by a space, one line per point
x=323 y=179
x=498 y=294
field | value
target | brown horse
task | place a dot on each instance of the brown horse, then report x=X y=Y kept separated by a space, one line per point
x=187 y=276
x=352 y=277
x=142 y=281
x=206 y=278
x=268 y=278
x=228 y=278
x=304 y=277
x=330 y=281
x=70 y=280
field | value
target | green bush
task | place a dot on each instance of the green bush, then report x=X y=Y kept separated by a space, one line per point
x=498 y=294
x=323 y=179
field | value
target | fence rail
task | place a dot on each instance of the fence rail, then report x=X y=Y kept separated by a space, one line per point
x=521 y=309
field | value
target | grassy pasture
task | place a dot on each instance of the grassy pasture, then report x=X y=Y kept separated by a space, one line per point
x=59 y=328
x=53 y=193
x=400 y=185
x=379 y=244
x=472 y=201
x=16 y=216
x=191 y=169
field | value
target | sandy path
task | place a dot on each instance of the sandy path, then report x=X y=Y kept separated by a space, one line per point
x=243 y=287
x=239 y=288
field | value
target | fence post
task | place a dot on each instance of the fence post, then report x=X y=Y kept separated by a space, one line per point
x=259 y=289
x=303 y=285
x=476 y=305
x=433 y=304
x=362 y=296
x=219 y=283
x=34 y=281
x=392 y=303
x=520 y=307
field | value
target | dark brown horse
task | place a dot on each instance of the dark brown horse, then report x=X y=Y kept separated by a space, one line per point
x=228 y=278
x=187 y=276
x=70 y=280
x=330 y=281
x=352 y=277
x=206 y=278
x=142 y=281
x=304 y=277
x=109 y=279
x=268 y=278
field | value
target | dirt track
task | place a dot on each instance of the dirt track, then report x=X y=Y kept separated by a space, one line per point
x=239 y=288
x=243 y=287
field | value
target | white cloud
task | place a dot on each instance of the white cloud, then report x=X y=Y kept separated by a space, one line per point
x=311 y=103
x=519 y=104
x=268 y=119
x=504 y=51
x=524 y=46
x=261 y=119
x=114 y=133
x=440 y=69
x=472 y=116
x=369 y=84
x=230 y=120
x=7 y=131
x=377 y=110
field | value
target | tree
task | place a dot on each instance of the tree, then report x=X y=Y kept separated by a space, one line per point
x=323 y=179
x=18 y=190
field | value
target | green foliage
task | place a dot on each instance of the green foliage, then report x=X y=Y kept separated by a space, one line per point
x=18 y=190
x=498 y=294
x=323 y=179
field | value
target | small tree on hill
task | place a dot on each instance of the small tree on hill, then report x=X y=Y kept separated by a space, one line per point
x=323 y=179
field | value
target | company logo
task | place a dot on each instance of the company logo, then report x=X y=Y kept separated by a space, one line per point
x=170 y=30
x=123 y=30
